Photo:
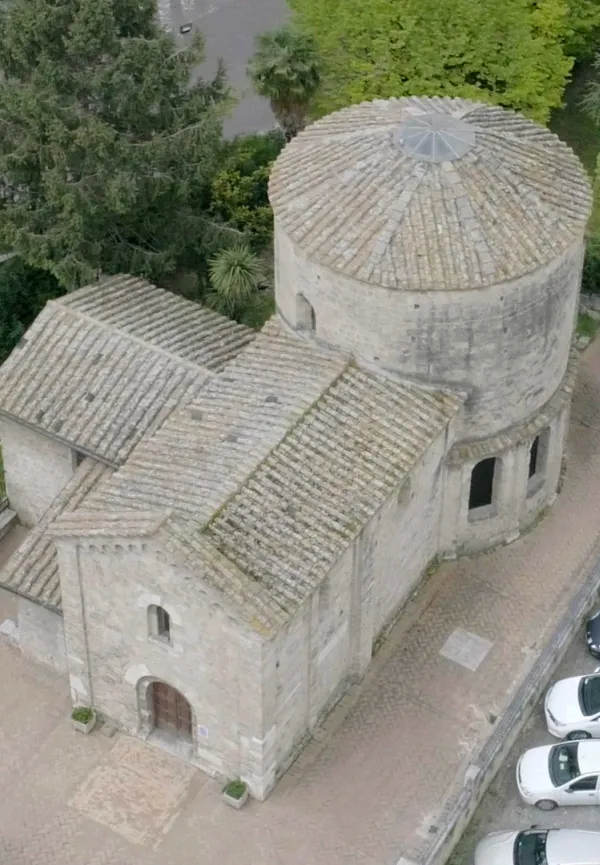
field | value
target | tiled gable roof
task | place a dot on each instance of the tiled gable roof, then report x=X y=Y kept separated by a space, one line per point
x=105 y=365
x=271 y=472
x=203 y=452
x=297 y=513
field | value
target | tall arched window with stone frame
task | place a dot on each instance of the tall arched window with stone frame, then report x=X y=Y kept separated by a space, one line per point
x=159 y=623
x=483 y=488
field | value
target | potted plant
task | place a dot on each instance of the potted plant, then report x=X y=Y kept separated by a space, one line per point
x=235 y=793
x=84 y=719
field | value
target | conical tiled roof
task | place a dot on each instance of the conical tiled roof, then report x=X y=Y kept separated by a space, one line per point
x=420 y=194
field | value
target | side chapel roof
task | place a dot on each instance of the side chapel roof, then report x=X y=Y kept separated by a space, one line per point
x=103 y=366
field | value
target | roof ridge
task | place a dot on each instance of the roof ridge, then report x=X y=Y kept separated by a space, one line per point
x=84 y=316
x=261 y=462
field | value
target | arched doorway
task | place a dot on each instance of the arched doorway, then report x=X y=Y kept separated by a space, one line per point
x=171 y=712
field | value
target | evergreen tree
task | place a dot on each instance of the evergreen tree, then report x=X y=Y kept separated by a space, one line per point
x=107 y=152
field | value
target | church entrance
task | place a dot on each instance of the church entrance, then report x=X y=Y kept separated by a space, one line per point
x=171 y=711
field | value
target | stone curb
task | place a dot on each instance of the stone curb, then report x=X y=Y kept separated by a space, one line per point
x=481 y=774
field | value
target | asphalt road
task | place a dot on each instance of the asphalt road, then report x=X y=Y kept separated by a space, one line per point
x=501 y=807
x=229 y=28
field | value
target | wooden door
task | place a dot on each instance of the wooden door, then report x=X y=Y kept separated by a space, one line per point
x=172 y=711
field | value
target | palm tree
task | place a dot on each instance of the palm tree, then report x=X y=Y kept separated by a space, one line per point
x=235 y=274
x=285 y=70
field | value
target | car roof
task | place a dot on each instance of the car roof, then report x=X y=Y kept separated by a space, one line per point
x=588 y=756
x=572 y=847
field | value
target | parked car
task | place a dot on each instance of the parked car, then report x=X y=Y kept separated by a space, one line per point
x=564 y=774
x=539 y=847
x=592 y=634
x=572 y=707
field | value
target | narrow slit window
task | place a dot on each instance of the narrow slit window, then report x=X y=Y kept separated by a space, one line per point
x=538 y=460
x=481 y=491
x=533 y=457
x=159 y=623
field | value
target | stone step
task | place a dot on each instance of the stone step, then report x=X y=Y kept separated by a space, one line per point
x=8 y=519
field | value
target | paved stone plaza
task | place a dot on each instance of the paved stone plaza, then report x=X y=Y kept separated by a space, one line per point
x=370 y=790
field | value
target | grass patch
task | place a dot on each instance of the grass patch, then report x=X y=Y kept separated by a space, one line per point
x=586 y=325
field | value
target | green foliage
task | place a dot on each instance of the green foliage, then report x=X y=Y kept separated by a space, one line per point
x=506 y=52
x=235 y=788
x=590 y=281
x=259 y=308
x=236 y=274
x=591 y=99
x=587 y=325
x=582 y=36
x=285 y=70
x=82 y=714
x=239 y=191
x=106 y=154
x=23 y=293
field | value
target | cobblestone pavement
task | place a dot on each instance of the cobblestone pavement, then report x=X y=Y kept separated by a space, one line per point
x=502 y=808
x=370 y=789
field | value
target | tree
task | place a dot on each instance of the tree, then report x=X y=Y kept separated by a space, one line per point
x=284 y=69
x=583 y=28
x=23 y=294
x=106 y=153
x=591 y=100
x=239 y=191
x=507 y=52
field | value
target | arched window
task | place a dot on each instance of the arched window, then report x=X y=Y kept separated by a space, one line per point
x=159 y=623
x=481 y=490
x=538 y=457
x=305 y=314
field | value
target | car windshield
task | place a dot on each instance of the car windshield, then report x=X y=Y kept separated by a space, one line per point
x=589 y=695
x=530 y=848
x=563 y=763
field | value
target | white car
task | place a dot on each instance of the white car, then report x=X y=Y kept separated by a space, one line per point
x=563 y=774
x=572 y=708
x=536 y=846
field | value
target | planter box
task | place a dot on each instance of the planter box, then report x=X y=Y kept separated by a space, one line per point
x=85 y=728
x=236 y=803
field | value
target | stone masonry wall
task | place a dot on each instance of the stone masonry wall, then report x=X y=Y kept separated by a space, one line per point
x=403 y=538
x=516 y=500
x=36 y=469
x=311 y=663
x=507 y=345
x=211 y=659
x=329 y=642
x=42 y=635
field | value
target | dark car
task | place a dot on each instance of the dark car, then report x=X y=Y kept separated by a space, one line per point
x=592 y=633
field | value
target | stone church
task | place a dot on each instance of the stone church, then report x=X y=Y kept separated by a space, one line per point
x=219 y=524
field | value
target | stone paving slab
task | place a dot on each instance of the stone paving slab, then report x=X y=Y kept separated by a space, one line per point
x=371 y=789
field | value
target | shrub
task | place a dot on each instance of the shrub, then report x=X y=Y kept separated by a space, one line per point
x=590 y=280
x=239 y=191
x=82 y=714
x=235 y=788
